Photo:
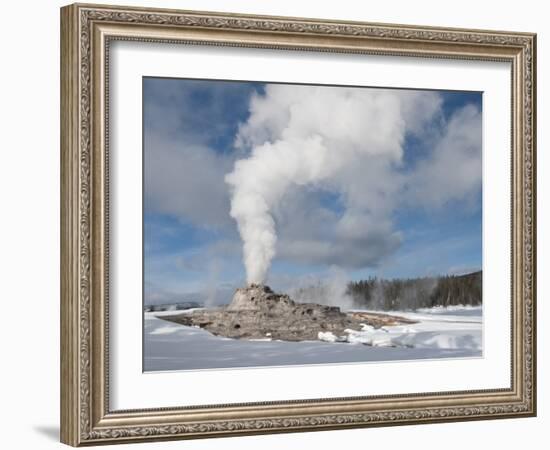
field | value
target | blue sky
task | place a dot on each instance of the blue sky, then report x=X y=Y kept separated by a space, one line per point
x=427 y=222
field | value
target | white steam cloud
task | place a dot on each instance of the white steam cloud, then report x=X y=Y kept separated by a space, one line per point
x=319 y=136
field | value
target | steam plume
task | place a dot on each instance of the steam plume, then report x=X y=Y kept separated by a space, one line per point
x=307 y=135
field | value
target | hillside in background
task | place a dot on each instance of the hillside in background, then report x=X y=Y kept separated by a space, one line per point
x=414 y=293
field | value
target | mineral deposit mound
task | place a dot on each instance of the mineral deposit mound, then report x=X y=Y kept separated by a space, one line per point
x=256 y=312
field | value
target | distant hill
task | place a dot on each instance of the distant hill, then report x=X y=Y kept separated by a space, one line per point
x=414 y=293
x=172 y=306
x=218 y=295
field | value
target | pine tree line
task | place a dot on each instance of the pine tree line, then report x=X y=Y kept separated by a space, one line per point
x=413 y=293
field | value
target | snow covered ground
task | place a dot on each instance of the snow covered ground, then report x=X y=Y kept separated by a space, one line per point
x=454 y=332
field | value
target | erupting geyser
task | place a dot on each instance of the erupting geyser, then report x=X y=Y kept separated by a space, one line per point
x=317 y=137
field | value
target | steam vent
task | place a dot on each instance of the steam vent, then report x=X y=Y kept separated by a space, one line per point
x=256 y=312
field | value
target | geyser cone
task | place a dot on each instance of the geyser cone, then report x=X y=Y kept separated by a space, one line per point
x=258 y=297
x=256 y=312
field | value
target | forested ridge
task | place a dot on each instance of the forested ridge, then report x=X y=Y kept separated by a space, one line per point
x=413 y=293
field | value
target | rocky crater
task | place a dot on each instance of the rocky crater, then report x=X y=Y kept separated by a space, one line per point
x=256 y=312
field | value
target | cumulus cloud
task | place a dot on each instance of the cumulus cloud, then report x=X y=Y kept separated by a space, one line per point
x=302 y=141
x=186 y=180
x=189 y=127
x=453 y=169
x=310 y=233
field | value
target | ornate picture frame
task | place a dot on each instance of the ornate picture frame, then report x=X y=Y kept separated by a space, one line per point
x=87 y=31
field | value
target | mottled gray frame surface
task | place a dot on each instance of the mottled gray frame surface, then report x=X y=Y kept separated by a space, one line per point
x=86 y=32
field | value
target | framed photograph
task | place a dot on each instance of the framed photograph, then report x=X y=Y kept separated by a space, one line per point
x=276 y=224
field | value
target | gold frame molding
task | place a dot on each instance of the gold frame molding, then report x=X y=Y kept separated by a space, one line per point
x=86 y=31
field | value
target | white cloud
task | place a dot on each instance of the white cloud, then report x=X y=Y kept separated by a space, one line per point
x=310 y=233
x=186 y=180
x=453 y=170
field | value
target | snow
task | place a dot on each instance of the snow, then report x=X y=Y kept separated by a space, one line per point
x=451 y=328
x=453 y=332
x=327 y=336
